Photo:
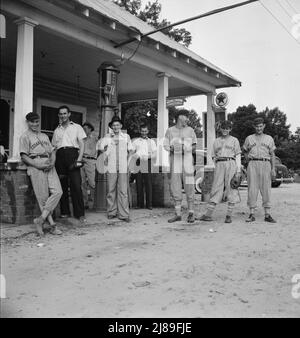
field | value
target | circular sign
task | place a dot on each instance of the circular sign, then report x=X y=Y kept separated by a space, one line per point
x=222 y=100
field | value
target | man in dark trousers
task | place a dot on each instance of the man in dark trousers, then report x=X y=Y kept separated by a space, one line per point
x=68 y=140
x=145 y=152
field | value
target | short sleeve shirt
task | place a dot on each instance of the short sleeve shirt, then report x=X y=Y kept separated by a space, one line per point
x=178 y=136
x=90 y=146
x=259 y=146
x=69 y=136
x=35 y=144
x=144 y=146
x=118 y=147
x=226 y=147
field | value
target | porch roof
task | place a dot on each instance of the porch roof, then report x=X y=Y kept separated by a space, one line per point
x=112 y=11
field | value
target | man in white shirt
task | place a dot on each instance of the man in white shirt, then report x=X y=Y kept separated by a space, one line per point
x=68 y=140
x=116 y=147
x=145 y=151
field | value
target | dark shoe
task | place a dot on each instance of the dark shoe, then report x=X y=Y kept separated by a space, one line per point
x=64 y=216
x=250 y=219
x=191 y=218
x=111 y=216
x=228 y=219
x=269 y=218
x=127 y=220
x=175 y=219
x=149 y=208
x=39 y=225
x=205 y=218
x=86 y=207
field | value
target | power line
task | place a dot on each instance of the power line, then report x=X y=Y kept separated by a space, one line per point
x=215 y=11
x=292 y=7
x=280 y=23
x=284 y=9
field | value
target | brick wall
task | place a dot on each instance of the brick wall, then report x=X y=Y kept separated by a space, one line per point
x=18 y=204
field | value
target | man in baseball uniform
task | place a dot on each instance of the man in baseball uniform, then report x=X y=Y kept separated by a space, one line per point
x=260 y=152
x=180 y=141
x=226 y=154
x=88 y=171
x=38 y=154
x=116 y=147
x=68 y=140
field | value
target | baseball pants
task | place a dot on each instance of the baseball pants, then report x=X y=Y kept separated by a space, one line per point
x=259 y=179
x=88 y=172
x=46 y=186
x=117 y=195
x=182 y=174
x=221 y=189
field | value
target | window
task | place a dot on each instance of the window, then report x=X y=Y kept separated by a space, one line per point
x=48 y=111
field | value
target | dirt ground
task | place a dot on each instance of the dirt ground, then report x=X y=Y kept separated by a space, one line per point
x=150 y=268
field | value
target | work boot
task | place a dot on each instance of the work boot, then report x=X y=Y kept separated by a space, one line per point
x=250 y=219
x=269 y=218
x=205 y=218
x=39 y=225
x=228 y=219
x=176 y=218
x=191 y=218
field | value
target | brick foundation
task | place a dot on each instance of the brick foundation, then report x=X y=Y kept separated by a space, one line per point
x=18 y=203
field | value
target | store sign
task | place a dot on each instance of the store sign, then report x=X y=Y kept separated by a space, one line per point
x=175 y=102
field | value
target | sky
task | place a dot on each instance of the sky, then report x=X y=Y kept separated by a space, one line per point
x=249 y=44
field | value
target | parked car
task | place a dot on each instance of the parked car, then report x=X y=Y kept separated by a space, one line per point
x=282 y=173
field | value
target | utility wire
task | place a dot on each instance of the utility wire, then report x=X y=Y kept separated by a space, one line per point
x=292 y=7
x=284 y=9
x=280 y=23
x=215 y=11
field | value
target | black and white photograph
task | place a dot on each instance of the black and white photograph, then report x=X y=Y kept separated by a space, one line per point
x=150 y=161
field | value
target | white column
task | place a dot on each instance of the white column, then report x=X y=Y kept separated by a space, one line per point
x=211 y=131
x=162 y=116
x=24 y=79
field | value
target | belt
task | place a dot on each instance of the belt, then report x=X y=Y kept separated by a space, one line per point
x=39 y=156
x=64 y=148
x=260 y=159
x=89 y=158
x=224 y=159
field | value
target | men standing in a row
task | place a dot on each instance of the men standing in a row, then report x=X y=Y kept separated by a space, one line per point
x=68 y=141
x=89 y=169
x=226 y=154
x=180 y=141
x=145 y=151
x=116 y=147
x=260 y=152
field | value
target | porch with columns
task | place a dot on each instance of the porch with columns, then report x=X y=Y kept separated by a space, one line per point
x=45 y=56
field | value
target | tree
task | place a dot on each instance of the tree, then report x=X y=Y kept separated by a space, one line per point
x=289 y=151
x=242 y=120
x=275 y=121
x=151 y=14
x=137 y=113
x=276 y=125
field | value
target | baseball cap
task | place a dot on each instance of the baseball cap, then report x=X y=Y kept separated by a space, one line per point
x=32 y=117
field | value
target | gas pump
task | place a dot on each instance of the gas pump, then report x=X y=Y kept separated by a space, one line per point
x=108 y=107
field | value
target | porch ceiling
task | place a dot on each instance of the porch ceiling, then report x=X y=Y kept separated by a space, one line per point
x=65 y=61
